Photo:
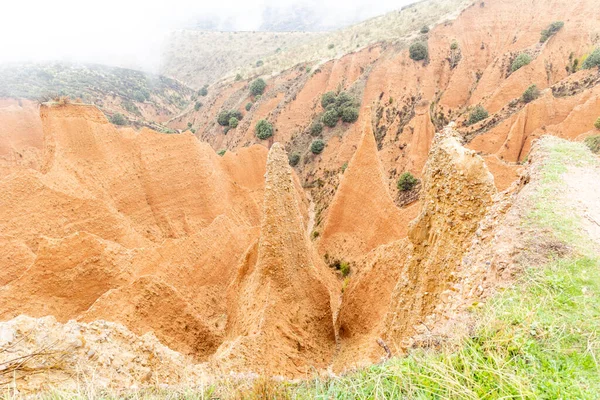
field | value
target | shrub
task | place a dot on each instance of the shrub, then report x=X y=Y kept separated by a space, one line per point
x=593 y=143
x=327 y=99
x=294 y=159
x=424 y=29
x=316 y=128
x=530 y=94
x=597 y=123
x=343 y=100
x=345 y=268
x=263 y=129
x=238 y=77
x=248 y=106
x=222 y=152
x=260 y=63
x=593 y=60
x=350 y=114
x=317 y=146
x=203 y=91
x=233 y=122
x=454 y=45
x=139 y=96
x=551 y=30
x=478 y=114
x=330 y=118
x=521 y=60
x=407 y=182
x=118 y=119
x=189 y=124
x=224 y=117
x=257 y=87
x=418 y=51
x=331 y=46
x=197 y=105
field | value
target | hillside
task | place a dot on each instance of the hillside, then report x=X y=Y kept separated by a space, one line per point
x=145 y=99
x=414 y=217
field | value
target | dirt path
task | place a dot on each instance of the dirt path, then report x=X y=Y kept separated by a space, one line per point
x=582 y=190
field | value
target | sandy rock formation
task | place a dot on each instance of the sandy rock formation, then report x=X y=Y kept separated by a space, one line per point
x=362 y=214
x=280 y=318
x=458 y=190
x=42 y=353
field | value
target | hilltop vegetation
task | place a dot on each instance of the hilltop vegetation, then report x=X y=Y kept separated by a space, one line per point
x=135 y=94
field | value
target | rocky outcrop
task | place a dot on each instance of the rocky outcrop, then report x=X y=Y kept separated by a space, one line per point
x=280 y=318
x=362 y=214
x=457 y=192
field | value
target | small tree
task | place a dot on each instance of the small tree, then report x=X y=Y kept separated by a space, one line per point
x=593 y=143
x=233 y=122
x=521 y=60
x=593 y=60
x=197 y=105
x=118 y=119
x=330 y=118
x=418 y=51
x=248 y=106
x=263 y=129
x=260 y=63
x=189 y=124
x=330 y=46
x=597 y=123
x=317 y=146
x=327 y=99
x=223 y=118
x=407 y=182
x=316 y=128
x=350 y=114
x=478 y=114
x=424 y=29
x=203 y=91
x=454 y=45
x=294 y=159
x=257 y=87
x=551 y=30
x=530 y=94
x=238 y=77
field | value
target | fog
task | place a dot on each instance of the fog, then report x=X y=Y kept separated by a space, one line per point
x=131 y=33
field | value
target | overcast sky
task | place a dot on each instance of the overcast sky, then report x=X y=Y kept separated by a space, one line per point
x=130 y=32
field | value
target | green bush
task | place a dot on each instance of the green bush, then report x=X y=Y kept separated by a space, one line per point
x=189 y=124
x=316 y=128
x=238 y=77
x=478 y=114
x=343 y=100
x=327 y=99
x=424 y=29
x=593 y=60
x=530 y=94
x=224 y=117
x=222 y=152
x=454 y=45
x=345 y=268
x=350 y=114
x=197 y=105
x=522 y=60
x=406 y=182
x=597 y=123
x=551 y=30
x=294 y=159
x=203 y=91
x=260 y=63
x=139 y=96
x=331 y=46
x=118 y=119
x=317 y=146
x=330 y=118
x=248 y=106
x=418 y=51
x=257 y=87
x=593 y=142
x=233 y=122
x=263 y=129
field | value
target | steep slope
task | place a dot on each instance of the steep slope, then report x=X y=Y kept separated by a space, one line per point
x=280 y=303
